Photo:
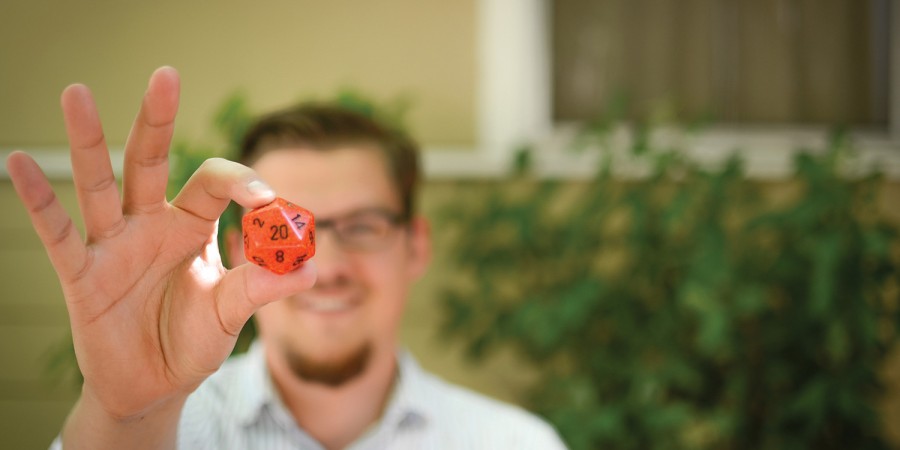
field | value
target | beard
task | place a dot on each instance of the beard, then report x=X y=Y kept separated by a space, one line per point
x=333 y=372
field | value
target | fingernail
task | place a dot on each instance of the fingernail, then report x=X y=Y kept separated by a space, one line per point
x=257 y=187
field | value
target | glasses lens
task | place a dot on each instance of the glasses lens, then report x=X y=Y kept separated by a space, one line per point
x=368 y=230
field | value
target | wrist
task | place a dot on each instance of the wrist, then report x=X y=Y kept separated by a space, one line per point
x=92 y=425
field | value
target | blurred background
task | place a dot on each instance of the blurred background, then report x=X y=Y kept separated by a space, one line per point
x=659 y=224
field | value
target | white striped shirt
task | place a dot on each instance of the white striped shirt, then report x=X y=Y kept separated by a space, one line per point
x=238 y=407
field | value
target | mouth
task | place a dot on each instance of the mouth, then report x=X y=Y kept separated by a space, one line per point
x=325 y=304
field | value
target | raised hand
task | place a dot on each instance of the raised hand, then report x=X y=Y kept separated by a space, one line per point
x=153 y=311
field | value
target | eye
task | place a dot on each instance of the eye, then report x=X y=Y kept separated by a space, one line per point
x=362 y=228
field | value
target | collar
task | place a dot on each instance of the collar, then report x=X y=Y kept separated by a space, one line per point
x=412 y=403
x=255 y=388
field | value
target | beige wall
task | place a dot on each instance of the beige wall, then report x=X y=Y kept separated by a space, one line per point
x=32 y=321
x=275 y=50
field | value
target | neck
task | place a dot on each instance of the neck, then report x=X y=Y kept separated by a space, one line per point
x=336 y=415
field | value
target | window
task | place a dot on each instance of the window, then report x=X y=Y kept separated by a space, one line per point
x=687 y=70
x=795 y=62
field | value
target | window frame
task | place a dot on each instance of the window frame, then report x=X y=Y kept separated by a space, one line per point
x=515 y=107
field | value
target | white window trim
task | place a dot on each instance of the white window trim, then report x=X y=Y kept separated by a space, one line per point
x=514 y=89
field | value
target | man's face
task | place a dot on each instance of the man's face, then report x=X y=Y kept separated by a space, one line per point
x=357 y=302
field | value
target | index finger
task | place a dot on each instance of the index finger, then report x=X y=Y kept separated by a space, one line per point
x=218 y=181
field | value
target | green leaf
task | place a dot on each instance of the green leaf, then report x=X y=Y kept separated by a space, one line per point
x=826 y=258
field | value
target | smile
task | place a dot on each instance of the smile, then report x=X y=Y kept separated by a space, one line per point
x=325 y=304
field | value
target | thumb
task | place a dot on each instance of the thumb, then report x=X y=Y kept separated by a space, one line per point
x=248 y=287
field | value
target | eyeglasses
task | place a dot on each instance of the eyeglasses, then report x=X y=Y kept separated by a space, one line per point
x=365 y=230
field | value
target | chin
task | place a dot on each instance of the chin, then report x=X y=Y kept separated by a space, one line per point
x=333 y=369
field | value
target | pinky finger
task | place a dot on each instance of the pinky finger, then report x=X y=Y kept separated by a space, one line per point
x=53 y=225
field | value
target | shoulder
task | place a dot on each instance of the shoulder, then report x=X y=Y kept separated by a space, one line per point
x=221 y=386
x=472 y=420
x=222 y=402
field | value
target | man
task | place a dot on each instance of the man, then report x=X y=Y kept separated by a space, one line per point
x=154 y=314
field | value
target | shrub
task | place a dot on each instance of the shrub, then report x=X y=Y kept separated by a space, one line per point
x=685 y=309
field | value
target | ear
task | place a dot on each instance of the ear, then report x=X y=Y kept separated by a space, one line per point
x=419 y=247
x=234 y=247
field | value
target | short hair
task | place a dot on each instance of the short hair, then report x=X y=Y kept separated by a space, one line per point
x=324 y=126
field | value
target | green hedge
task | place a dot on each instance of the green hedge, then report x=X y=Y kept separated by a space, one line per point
x=686 y=309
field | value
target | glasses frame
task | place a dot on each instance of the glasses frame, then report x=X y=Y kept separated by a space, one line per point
x=339 y=226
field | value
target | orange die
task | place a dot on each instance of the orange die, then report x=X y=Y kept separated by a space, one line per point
x=279 y=236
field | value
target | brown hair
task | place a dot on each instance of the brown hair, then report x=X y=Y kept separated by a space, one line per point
x=323 y=127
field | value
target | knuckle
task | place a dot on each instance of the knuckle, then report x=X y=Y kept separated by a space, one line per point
x=152 y=161
x=101 y=184
x=62 y=234
x=208 y=164
x=220 y=166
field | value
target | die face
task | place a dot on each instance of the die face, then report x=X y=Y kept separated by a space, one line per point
x=279 y=236
x=280 y=260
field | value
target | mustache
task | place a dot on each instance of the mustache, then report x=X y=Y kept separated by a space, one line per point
x=333 y=282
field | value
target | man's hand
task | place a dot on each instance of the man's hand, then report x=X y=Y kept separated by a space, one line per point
x=153 y=311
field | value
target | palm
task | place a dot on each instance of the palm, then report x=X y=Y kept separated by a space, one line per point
x=152 y=266
x=152 y=310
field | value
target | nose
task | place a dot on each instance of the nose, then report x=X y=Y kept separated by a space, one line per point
x=332 y=262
